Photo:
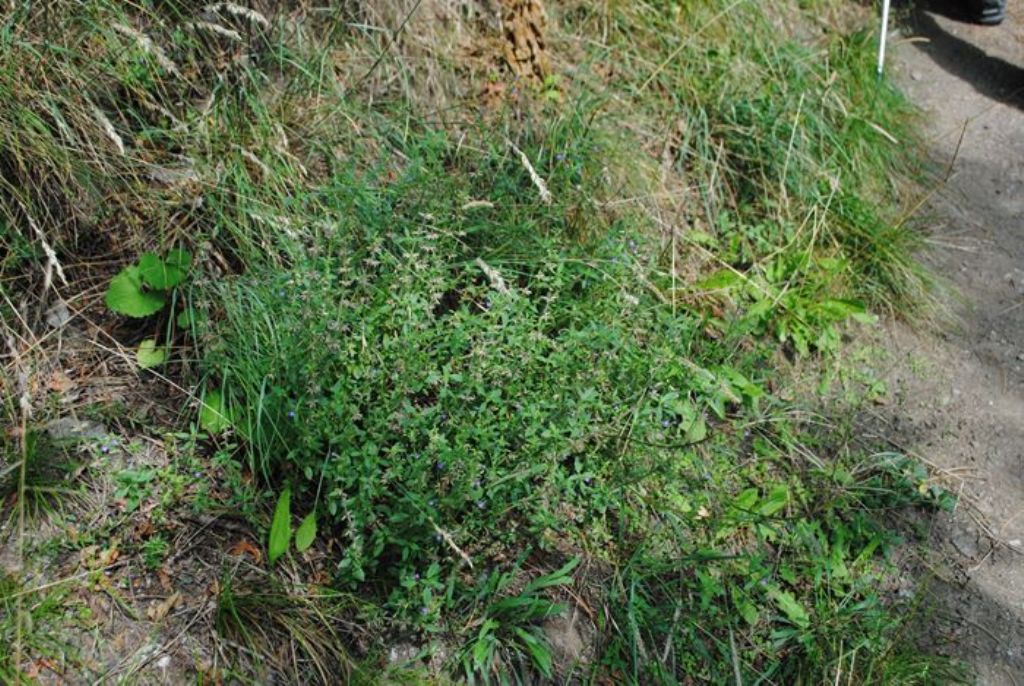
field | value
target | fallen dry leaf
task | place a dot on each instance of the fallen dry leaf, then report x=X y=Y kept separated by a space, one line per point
x=164 y=578
x=143 y=529
x=245 y=547
x=59 y=382
x=108 y=556
x=158 y=611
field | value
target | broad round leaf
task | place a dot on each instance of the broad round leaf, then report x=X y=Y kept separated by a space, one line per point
x=149 y=355
x=159 y=274
x=213 y=415
x=125 y=295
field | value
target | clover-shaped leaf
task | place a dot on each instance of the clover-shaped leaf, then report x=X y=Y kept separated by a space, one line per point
x=125 y=295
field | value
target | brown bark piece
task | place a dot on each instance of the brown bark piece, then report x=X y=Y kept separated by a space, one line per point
x=524 y=23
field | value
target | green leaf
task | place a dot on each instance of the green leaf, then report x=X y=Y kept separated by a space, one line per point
x=776 y=500
x=701 y=238
x=190 y=319
x=483 y=649
x=163 y=275
x=538 y=650
x=559 y=577
x=280 y=527
x=720 y=280
x=125 y=295
x=747 y=610
x=791 y=607
x=179 y=259
x=838 y=309
x=741 y=383
x=698 y=430
x=306 y=532
x=149 y=355
x=746 y=499
x=213 y=414
x=158 y=274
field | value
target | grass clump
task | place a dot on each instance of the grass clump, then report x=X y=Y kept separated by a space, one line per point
x=452 y=385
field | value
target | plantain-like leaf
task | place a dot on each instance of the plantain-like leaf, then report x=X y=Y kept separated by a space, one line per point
x=306 y=532
x=280 y=527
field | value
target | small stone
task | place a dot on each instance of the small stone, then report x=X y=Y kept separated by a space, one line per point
x=565 y=641
x=402 y=654
x=58 y=315
x=915 y=75
x=69 y=428
x=965 y=540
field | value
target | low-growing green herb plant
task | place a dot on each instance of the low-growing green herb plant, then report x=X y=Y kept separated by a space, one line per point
x=446 y=383
x=147 y=288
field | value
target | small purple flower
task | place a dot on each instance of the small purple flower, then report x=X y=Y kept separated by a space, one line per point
x=437 y=538
x=443 y=417
x=587 y=480
x=560 y=156
x=424 y=611
x=632 y=245
x=481 y=504
x=439 y=466
x=416 y=576
x=432 y=502
x=476 y=484
x=666 y=423
x=291 y=414
x=105 y=448
x=197 y=474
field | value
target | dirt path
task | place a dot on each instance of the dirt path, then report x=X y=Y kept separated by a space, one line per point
x=961 y=394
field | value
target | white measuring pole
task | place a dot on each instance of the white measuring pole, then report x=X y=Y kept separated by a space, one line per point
x=882 y=38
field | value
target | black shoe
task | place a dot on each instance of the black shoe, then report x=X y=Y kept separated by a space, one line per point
x=990 y=12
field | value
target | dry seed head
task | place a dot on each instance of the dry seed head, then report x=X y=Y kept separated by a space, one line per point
x=238 y=11
x=217 y=29
x=147 y=45
x=108 y=128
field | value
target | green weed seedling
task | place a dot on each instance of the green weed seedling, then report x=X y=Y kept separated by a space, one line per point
x=144 y=289
x=508 y=625
x=281 y=529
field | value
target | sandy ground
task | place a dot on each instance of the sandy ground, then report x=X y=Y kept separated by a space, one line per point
x=960 y=392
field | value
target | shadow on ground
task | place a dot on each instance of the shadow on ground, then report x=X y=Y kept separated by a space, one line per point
x=989 y=75
x=959 y=389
